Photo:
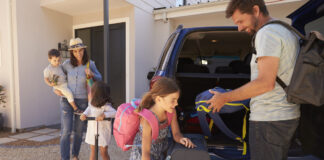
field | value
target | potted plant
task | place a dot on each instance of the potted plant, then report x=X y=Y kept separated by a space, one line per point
x=2 y=101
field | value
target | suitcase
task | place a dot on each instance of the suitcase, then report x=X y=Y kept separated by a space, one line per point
x=179 y=152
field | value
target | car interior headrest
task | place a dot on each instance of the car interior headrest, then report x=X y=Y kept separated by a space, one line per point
x=185 y=61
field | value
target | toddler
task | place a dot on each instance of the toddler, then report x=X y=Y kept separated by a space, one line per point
x=56 y=78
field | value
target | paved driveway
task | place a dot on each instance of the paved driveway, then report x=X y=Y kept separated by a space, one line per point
x=52 y=152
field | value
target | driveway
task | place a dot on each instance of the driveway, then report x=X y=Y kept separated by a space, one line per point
x=24 y=151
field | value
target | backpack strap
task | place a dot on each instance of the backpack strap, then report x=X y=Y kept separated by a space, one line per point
x=170 y=116
x=289 y=27
x=284 y=24
x=151 y=119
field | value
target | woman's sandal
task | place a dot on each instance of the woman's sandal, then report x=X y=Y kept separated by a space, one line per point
x=75 y=158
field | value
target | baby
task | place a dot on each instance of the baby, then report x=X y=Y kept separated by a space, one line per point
x=55 y=77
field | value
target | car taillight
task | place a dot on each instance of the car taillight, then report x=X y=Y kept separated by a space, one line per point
x=153 y=80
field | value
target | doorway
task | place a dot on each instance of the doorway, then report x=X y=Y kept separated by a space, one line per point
x=116 y=73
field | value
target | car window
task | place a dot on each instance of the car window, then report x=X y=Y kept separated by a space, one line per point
x=165 y=50
x=214 y=52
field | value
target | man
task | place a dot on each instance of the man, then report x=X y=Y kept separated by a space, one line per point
x=273 y=120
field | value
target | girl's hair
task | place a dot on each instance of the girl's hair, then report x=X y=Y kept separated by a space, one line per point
x=162 y=87
x=100 y=93
x=74 y=61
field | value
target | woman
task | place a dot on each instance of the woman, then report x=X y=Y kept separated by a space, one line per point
x=76 y=71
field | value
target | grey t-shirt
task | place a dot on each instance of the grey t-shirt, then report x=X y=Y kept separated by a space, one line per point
x=277 y=41
x=50 y=71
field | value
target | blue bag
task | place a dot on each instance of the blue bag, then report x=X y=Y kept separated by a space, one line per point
x=202 y=110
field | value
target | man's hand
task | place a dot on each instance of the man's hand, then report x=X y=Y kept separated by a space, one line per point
x=57 y=92
x=101 y=117
x=216 y=102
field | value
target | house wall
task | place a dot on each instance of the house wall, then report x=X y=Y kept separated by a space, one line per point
x=38 y=30
x=144 y=49
x=5 y=59
x=162 y=32
x=114 y=13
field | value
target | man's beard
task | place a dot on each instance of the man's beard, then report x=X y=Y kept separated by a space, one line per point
x=255 y=24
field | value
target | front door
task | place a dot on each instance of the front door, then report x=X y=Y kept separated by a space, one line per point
x=93 y=38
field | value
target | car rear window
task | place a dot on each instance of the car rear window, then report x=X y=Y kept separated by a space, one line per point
x=213 y=51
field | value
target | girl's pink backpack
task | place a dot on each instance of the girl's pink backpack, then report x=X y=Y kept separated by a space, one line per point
x=126 y=123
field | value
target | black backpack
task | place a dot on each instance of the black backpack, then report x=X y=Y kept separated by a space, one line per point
x=307 y=82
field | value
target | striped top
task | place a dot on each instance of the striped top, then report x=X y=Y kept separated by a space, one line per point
x=277 y=41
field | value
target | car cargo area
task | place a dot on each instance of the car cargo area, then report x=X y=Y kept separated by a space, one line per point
x=208 y=59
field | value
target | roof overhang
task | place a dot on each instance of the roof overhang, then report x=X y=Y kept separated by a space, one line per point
x=149 y=5
x=81 y=7
x=204 y=8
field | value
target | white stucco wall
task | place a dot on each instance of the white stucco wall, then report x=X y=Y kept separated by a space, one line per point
x=115 y=13
x=132 y=62
x=144 y=49
x=5 y=59
x=161 y=34
x=38 y=30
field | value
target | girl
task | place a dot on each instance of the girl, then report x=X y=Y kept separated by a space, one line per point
x=162 y=98
x=99 y=107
